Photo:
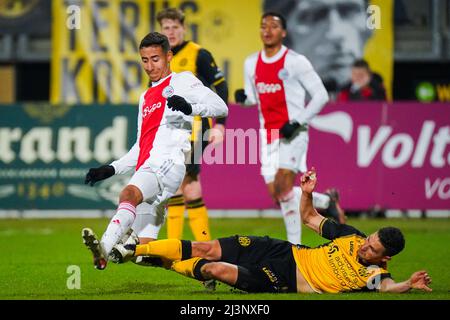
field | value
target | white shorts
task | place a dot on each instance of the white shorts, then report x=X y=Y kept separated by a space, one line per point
x=157 y=184
x=283 y=154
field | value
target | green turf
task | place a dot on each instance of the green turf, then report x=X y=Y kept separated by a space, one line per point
x=35 y=255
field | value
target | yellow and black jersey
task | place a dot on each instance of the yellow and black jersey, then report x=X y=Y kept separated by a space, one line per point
x=189 y=56
x=334 y=267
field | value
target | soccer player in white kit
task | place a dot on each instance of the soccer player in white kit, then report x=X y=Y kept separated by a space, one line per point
x=277 y=79
x=165 y=119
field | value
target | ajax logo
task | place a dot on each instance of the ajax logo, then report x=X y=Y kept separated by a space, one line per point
x=168 y=92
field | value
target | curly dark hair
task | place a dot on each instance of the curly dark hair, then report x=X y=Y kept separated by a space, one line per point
x=155 y=39
x=392 y=240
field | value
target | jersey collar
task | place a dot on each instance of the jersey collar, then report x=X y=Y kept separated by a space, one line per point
x=154 y=84
x=179 y=47
x=275 y=58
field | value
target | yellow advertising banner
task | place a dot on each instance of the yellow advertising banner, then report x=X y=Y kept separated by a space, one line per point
x=379 y=49
x=95 y=56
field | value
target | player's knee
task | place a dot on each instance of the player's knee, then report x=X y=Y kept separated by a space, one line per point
x=208 y=250
x=192 y=191
x=281 y=190
x=131 y=194
x=215 y=270
x=283 y=184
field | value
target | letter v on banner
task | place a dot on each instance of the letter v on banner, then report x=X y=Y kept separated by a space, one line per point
x=368 y=149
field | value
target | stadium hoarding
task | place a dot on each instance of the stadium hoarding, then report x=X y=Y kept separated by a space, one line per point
x=398 y=155
x=46 y=150
x=392 y=155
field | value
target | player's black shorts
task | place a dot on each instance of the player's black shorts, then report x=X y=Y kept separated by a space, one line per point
x=193 y=167
x=270 y=262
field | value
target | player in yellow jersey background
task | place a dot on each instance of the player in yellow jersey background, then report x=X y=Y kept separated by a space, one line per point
x=351 y=261
x=189 y=56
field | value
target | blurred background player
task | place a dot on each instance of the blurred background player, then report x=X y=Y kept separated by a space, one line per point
x=277 y=79
x=158 y=156
x=365 y=85
x=330 y=33
x=189 y=56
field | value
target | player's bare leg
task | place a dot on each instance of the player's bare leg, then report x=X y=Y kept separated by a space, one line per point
x=221 y=271
x=231 y=274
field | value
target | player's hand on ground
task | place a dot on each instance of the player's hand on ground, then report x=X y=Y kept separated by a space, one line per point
x=240 y=96
x=177 y=103
x=97 y=174
x=216 y=134
x=308 y=180
x=420 y=280
x=290 y=128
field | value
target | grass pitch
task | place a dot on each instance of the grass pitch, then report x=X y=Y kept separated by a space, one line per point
x=36 y=255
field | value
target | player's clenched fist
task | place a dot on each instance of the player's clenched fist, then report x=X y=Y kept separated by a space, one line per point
x=308 y=180
x=289 y=129
x=97 y=174
x=177 y=103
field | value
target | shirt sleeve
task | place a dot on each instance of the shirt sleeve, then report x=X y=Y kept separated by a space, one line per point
x=311 y=81
x=249 y=81
x=331 y=230
x=129 y=160
x=208 y=70
x=212 y=76
x=205 y=102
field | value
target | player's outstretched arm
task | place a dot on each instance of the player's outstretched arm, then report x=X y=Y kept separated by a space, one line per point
x=310 y=217
x=419 y=280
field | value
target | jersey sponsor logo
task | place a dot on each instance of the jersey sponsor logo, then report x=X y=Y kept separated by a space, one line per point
x=272 y=277
x=244 y=241
x=363 y=272
x=168 y=92
x=352 y=247
x=283 y=74
x=268 y=87
x=333 y=248
x=149 y=109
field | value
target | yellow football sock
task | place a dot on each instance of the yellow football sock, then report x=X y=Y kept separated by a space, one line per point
x=198 y=220
x=168 y=248
x=175 y=217
x=188 y=267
